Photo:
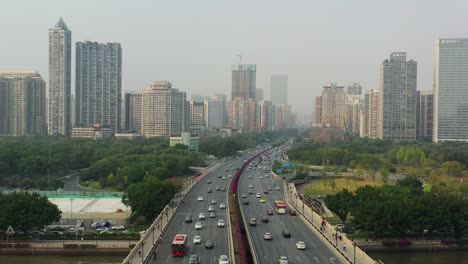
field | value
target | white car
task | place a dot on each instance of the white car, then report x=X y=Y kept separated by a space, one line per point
x=250 y=176
x=221 y=223
x=118 y=227
x=210 y=208
x=229 y=176
x=267 y=236
x=222 y=206
x=261 y=177
x=300 y=245
x=283 y=260
x=250 y=186
x=197 y=239
x=277 y=188
x=200 y=198
x=258 y=195
x=223 y=259
x=223 y=178
x=201 y=216
x=198 y=226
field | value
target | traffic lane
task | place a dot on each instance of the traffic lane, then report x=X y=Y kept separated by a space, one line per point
x=193 y=207
x=277 y=223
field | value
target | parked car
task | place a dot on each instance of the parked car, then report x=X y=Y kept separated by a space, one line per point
x=118 y=227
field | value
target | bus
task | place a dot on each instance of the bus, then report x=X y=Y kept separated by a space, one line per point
x=178 y=245
x=280 y=207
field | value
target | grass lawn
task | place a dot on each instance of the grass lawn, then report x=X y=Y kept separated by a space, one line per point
x=319 y=187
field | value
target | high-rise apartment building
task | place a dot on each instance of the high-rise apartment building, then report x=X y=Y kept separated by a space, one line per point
x=59 y=113
x=244 y=79
x=318 y=109
x=354 y=89
x=22 y=104
x=133 y=111
x=364 y=117
x=163 y=110
x=451 y=90
x=375 y=112
x=265 y=117
x=424 y=111
x=281 y=116
x=197 y=117
x=333 y=108
x=353 y=109
x=279 y=89
x=98 y=86
x=259 y=95
x=242 y=114
x=215 y=112
x=398 y=80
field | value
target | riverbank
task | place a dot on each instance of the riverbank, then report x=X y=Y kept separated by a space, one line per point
x=81 y=248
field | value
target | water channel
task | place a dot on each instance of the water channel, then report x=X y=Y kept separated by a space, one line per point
x=452 y=257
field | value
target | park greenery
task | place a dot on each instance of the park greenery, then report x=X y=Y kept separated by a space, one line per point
x=26 y=211
x=402 y=210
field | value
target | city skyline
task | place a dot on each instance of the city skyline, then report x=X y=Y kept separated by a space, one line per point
x=309 y=63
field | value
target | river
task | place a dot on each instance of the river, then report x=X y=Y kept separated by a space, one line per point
x=441 y=257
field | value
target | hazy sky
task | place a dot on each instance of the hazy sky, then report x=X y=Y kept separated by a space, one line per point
x=192 y=43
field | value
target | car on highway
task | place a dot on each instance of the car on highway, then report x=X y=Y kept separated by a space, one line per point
x=223 y=259
x=258 y=195
x=269 y=188
x=226 y=170
x=292 y=212
x=209 y=190
x=194 y=259
x=253 y=221
x=277 y=188
x=229 y=176
x=250 y=176
x=201 y=216
x=262 y=201
x=300 y=245
x=210 y=208
x=221 y=223
x=244 y=195
x=267 y=236
x=283 y=260
x=265 y=219
x=209 y=182
x=223 y=178
x=261 y=177
x=246 y=202
x=223 y=189
x=250 y=191
x=209 y=244
x=188 y=219
x=265 y=191
x=250 y=186
x=197 y=239
x=213 y=201
x=198 y=226
x=222 y=206
x=118 y=227
x=218 y=188
x=286 y=233
x=200 y=198
x=269 y=212
x=212 y=215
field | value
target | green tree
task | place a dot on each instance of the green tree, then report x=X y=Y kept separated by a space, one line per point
x=453 y=168
x=148 y=198
x=340 y=203
x=27 y=211
x=384 y=173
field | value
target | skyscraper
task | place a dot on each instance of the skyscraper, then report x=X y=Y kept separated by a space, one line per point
x=59 y=114
x=354 y=89
x=451 y=90
x=374 y=108
x=133 y=108
x=424 y=111
x=259 y=95
x=398 y=84
x=244 y=81
x=22 y=104
x=98 y=85
x=215 y=112
x=318 y=109
x=279 y=89
x=242 y=114
x=265 y=117
x=333 y=105
x=163 y=110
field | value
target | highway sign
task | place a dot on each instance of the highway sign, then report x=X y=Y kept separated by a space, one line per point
x=279 y=170
x=288 y=165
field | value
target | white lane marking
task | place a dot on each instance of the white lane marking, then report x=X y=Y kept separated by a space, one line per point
x=298 y=259
x=317 y=260
x=167 y=260
x=313 y=244
x=326 y=260
x=332 y=260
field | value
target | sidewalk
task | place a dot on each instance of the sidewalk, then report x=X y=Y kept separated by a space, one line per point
x=319 y=225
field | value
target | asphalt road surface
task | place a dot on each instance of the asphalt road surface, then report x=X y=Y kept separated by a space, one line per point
x=269 y=251
x=210 y=230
